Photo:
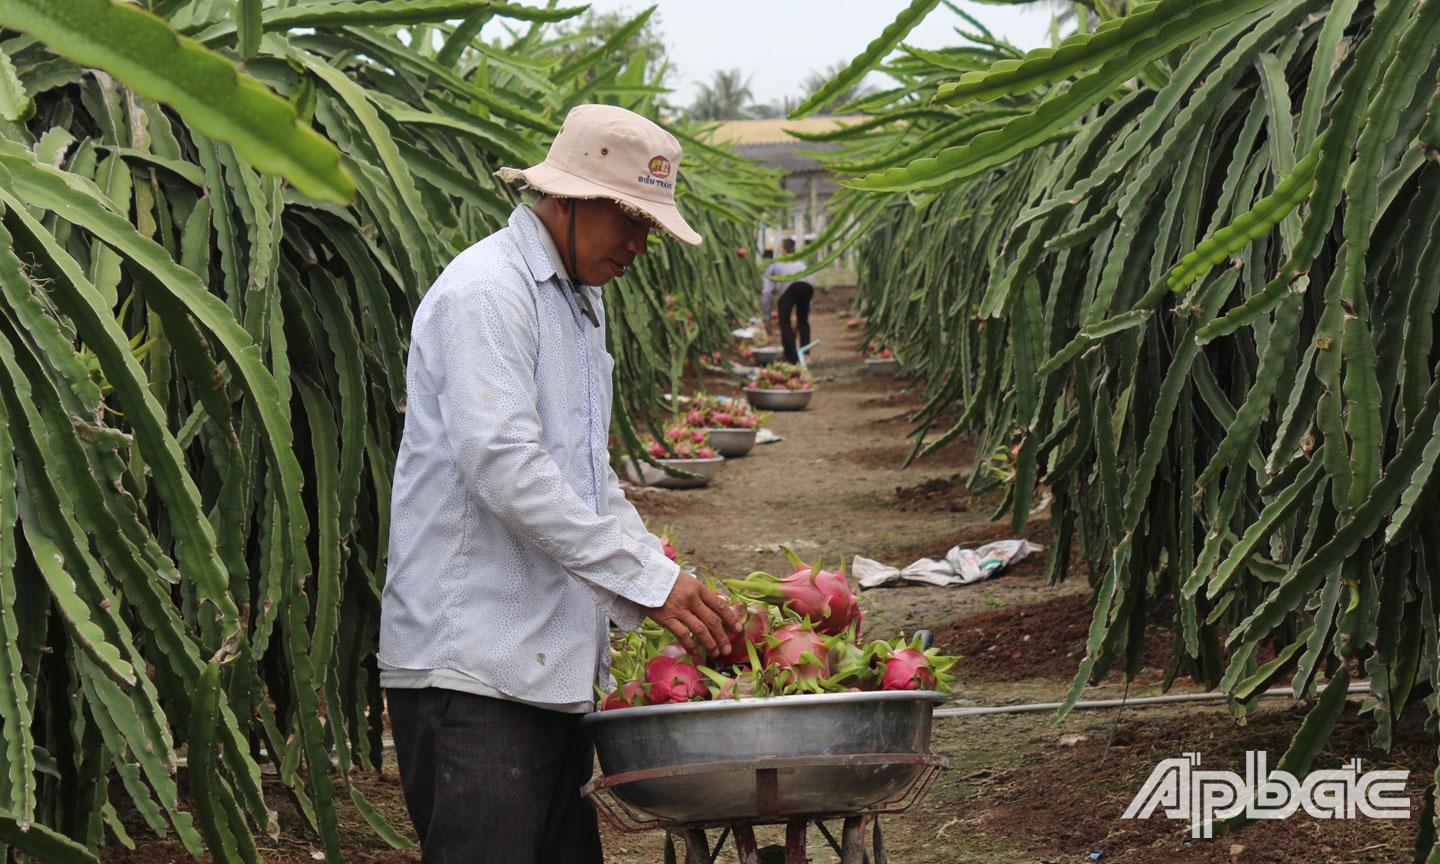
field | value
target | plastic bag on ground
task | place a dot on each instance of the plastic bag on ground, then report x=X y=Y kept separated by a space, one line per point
x=958 y=567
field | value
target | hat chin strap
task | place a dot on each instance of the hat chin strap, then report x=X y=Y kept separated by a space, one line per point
x=575 y=272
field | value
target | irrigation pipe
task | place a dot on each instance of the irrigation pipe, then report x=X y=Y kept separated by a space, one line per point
x=981 y=710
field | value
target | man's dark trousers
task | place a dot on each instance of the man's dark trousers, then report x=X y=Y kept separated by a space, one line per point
x=489 y=780
x=796 y=296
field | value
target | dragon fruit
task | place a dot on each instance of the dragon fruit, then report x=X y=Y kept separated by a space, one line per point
x=668 y=547
x=755 y=626
x=908 y=669
x=673 y=680
x=797 y=647
x=810 y=592
x=624 y=696
x=911 y=668
x=695 y=418
x=658 y=450
x=722 y=418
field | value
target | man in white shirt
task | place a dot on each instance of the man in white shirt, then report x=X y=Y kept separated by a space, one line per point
x=512 y=547
x=778 y=291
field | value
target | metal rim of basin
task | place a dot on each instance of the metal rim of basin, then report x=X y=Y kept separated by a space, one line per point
x=796 y=701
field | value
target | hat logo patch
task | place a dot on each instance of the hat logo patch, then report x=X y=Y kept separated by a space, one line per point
x=660 y=166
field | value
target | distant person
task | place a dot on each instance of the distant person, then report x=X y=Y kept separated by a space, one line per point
x=791 y=295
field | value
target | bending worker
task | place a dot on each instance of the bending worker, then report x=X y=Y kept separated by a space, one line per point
x=791 y=295
x=512 y=547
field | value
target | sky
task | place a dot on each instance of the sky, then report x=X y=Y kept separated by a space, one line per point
x=780 y=42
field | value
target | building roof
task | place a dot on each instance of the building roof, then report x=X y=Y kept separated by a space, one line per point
x=789 y=156
x=773 y=130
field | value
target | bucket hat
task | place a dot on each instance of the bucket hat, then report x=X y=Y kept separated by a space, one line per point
x=603 y=151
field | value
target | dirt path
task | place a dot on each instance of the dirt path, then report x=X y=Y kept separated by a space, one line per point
x=834 y=487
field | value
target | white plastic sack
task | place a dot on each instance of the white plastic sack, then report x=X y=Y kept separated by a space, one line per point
x=959 y=567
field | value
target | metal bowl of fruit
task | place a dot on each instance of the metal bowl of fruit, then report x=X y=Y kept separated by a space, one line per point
x=766 y=758
x=779 y=400
x=766 y=354
x=645 y=474
x=730 y=442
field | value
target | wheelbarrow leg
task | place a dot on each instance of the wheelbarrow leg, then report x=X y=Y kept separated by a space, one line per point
x=697 y=847
x=852 y=842
x=745 y=847
x=795 y=841
x=879 y=843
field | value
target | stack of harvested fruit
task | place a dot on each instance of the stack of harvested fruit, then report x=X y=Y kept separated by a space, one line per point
x=799 y=634
x=782 y=376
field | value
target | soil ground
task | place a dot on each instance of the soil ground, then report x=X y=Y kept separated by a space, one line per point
x=1018 y=790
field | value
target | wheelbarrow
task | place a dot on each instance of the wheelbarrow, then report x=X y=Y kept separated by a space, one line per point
x=737 y=763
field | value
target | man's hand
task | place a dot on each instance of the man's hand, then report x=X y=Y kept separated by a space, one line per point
x=694 y=613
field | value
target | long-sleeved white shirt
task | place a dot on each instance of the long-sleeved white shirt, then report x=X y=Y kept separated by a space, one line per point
x=511 y=543
x=773 y=283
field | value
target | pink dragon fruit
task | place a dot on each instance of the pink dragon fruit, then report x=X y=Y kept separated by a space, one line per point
x=658 y=450
x=625 y=696
x=908 y=669
x=753 y=630
x=695 y=418
x=676 y=433
x=797 y=647
x=704 y=453
x=668 y=547
x=673 y=680
x=821 y=595
x=674 y=651
x=723 y=418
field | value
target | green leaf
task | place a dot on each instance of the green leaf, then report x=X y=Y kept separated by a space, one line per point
x=145 y=53
x=15 y=104
x=1077 y=53
x=380 y=12
x=881 y=45
x=248 y=27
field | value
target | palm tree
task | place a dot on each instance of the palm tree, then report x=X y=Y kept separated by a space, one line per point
x=774 y=108
x=725 y=98
x=815 y=80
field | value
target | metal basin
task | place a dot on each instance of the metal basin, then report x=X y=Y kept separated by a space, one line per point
x=827 y=728
x=779 y=400
x=886 y=366
x=645 y=474
x=766 y=354
x=731 y=442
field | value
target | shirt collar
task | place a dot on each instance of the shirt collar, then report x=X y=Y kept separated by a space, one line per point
x=542 y=267
x=554 y=265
